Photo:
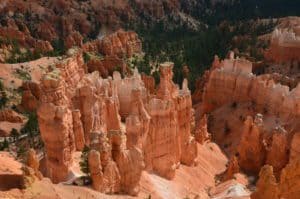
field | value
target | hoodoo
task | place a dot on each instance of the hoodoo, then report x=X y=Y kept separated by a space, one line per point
x=151 y=99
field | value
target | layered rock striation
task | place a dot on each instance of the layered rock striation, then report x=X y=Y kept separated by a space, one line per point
x=252 y=117
x=234 y=82
x=127 y=127
x=284 y=47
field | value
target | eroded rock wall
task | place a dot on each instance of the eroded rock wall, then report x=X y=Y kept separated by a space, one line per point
x=127 y=127
x=169 y=140
x=284 y=47
x=234 y=82
x=286 y=187
x=263 y=115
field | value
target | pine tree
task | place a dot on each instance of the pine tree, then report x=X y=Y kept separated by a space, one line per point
x=15 y=134
x=3 y=97
x=84 y=165
x=4 y=145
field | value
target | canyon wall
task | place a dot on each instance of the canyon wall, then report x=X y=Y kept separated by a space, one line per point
x=234 y=82
x=252 y=117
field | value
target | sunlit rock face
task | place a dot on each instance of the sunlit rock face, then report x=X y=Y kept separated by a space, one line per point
x=169 y=140
x=56 y=126
x=253 y=117
x=77 y=109
x=234 y=81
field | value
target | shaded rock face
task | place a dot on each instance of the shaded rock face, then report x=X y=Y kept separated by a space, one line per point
x=33 y=162
x=251 y=149
x=277 y=152
x=149 y=82
x=95 y=169
x=74 y=39
x=30 y=96
x=106 y=180
x=125 y=87
x=232 y=168
x=295 y=147
x=284 y=47
x=201 y=81
x=267 y=111
x=287 y=187
x=267 y=186
x=11 y=174
x=138 y=121
x=235 y=83
x=114 y=47
x=119 y=169
x=201 y=131
x=10 y=120
x=107 y=65
x=25 y=39
x=121 y=44
x=78 y=130
x=10 y=116
x=157 y=9
x=282 y=57
x=290 y=176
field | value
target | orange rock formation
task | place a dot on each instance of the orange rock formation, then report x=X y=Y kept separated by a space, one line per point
x=78 y=109
x=287 y=187
x=114 y=48
x=285 y=46
x=268 y=111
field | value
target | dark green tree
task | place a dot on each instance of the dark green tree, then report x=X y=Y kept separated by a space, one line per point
x=3 y=97
x=84 y=165
x=21 y=151
x=15 y=134
x=31 y=128
x=4 y=145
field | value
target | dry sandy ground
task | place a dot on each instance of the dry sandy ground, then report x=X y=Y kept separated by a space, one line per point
x=11 y=78
x=189 y=182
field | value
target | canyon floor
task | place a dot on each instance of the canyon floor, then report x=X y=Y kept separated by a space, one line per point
x=166 y=99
